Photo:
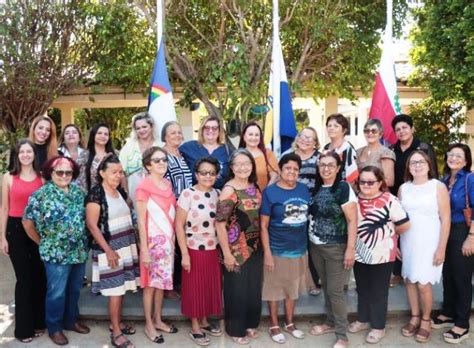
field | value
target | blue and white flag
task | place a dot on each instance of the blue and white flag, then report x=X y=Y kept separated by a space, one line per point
x=280 y=124
x=160 y=97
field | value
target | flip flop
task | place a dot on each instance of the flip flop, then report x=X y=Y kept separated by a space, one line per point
x=318 y=330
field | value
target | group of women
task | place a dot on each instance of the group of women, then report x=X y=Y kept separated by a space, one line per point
x=239 y=223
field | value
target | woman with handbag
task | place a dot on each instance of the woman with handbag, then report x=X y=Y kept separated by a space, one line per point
x=459 y=263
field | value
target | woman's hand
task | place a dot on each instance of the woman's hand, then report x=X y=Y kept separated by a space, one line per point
x=398 y=254
x=145 y=258
x=186 y=263
x=438 y=257
x=112 y=258
x=230 y=262
x=349 y=258
x=4 y=246
x=468 y=246
x=268 y=262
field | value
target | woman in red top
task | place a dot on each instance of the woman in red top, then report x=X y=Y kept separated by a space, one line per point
x=30 y=288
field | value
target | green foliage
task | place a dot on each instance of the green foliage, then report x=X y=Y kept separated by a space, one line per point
x=119 y=120
x=439 y=123
x=7 y=141
x=444 y=49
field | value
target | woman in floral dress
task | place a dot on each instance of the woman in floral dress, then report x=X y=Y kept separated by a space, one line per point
x=156 y=212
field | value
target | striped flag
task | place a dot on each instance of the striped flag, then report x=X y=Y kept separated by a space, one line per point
x=385 y=101
x=280 y=124
x=160 y=96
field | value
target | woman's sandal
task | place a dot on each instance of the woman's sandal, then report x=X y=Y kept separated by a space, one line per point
x=25 y=340
x=212 y=329
x=124 y=344
x=410 y=329
x=296 y=333
x=375 y=335
x=423 y=335
x=276 y=337
x=357 y=326
x=252 y=333
x=438 y=323
x=241 y=340
x=126 y=329
x=318 y=330
x=453 y=337
x=39 y=333
x=199 y=338
x=172 y=329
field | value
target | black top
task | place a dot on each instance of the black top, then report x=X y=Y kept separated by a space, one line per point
x=42 y=151
x=401 y=161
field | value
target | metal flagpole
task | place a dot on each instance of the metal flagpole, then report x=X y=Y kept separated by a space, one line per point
x=276 y=66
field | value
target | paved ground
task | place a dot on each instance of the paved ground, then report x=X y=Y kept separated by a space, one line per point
x=99 y=336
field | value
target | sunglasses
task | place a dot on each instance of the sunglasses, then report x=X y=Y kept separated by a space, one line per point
x=211 y=128
x=159 y=160
x=371 y=131
x=367 y=182
x=63 y=173
x=205 y=173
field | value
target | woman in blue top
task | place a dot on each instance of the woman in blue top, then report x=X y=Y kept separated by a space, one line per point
x=211 y=142
x=283 y=219
x=459 y=259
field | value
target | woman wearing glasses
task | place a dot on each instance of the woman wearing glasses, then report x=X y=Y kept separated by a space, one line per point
x=459 y=263
x=332 y=233
x=423 y=246
x=156 y=210
x=380 y=218
x=211 y=142
x=201 y=276
x=54 y=219
x=375 y=154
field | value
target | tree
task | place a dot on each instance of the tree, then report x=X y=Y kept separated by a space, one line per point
x=444 y=49
x=45 y=47
x=220 y=50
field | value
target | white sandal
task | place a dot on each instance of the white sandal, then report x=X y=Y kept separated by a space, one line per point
x=279 y=337
x=296 y=333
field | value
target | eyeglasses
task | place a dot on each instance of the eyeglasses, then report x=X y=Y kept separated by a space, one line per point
x=63 y=173
x=306 y=138
x=371 y=131
x=242 y=165
x=367 y=182
x=211 y=128
x=329 y=166
x=417 y=163
x=159 y=160
x=206 y=173
x=457 y=156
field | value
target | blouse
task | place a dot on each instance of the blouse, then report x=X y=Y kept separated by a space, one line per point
x=178 y=174
x=457 y=194
x=192 y=151
x=201 y=207
x=59 y=218
x=375 y=158
x=240 y=212
x=348 y=156
x=264 y=169
x=82 y=178
x=376 y=238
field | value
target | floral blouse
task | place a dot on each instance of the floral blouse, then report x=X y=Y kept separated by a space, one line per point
x=59 y=218
x=241 y=213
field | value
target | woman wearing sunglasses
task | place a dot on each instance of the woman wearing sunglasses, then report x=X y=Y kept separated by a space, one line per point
x=55 y=220
x=211 y=142
x=156 y=206
x=380 y=218
x=375 y=154
x=201 y=272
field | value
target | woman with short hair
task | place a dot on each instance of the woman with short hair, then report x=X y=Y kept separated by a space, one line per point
x=284 y=237
x=54 y=219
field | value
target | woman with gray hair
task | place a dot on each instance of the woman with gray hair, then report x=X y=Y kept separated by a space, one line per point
x=178 y=172
x=141 y=139
x=374 y=153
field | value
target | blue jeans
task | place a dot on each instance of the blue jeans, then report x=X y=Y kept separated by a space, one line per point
x=64 y=284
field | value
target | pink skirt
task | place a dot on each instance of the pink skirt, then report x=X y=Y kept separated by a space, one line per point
x=201 y=288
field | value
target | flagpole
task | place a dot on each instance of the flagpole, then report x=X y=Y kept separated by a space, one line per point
x=275 y=66
x=159 y=22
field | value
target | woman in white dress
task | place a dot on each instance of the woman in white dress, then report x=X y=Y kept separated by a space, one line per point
x=423 y=246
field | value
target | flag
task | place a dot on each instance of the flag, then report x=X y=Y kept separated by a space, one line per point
x=385 y=100
x=160 y=96
x=280 y=124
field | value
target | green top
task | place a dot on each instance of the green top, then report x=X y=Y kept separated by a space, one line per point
x=59 y=218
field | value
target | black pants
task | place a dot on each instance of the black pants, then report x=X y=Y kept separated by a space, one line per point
x=312 y=268
x=397 y=265
x=30 y=287
x=243 y=296
x=373 y=282
x=457 y=278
